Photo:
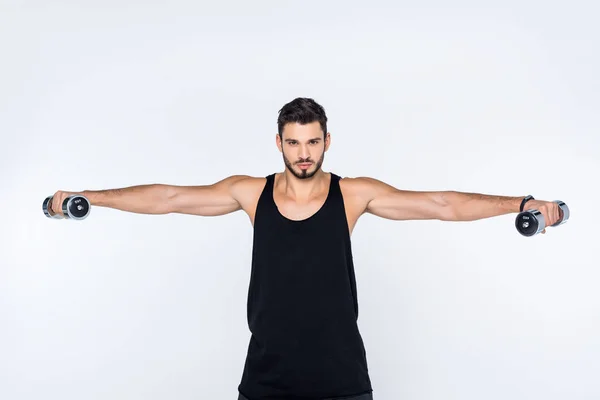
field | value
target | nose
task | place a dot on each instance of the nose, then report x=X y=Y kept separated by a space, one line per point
x=304 y=153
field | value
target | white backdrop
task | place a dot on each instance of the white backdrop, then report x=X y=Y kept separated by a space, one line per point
x=498 y=99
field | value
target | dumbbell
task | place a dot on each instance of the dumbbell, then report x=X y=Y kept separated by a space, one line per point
x=531 y=222
x=73 y=207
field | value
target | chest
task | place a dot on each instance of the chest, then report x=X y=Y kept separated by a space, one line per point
x=298 y=210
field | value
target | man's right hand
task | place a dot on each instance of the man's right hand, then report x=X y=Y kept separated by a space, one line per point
x=57 y=201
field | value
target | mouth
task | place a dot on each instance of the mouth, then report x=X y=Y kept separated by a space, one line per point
x=305 y=165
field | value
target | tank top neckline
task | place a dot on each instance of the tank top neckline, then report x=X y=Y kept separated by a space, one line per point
x=310 y=217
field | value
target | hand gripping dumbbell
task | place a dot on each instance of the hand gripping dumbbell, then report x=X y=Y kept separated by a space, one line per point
x=73 y=207
x=531 y=222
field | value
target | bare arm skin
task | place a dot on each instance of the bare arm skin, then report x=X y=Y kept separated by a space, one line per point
x=474 y=206
x=217 y=199
x=368 y=195
x=231 y=194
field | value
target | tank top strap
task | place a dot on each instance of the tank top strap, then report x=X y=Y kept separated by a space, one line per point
x=266 y=204
x=270 y=184
x=336 y=191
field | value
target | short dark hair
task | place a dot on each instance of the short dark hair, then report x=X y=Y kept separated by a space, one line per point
x=303 y=111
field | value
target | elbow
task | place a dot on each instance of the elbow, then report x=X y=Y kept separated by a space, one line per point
x=448 y=213
x=458 y=213
x=446 y=208
x=454 y=208
x=166 y=199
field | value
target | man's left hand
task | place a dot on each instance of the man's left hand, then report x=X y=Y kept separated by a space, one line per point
x=549 y=209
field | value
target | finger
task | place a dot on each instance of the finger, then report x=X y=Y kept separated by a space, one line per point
x=53 y=203
x=547 y=217
x=560 y=213
x=58 y=205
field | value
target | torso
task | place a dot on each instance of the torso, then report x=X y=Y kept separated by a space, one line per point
x=249 y=191
x=302 y=306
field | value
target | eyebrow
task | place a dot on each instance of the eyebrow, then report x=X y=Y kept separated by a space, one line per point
x=309 y=140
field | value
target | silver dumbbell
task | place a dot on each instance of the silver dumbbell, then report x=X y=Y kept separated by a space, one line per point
x=73 y=207
x=531 y=222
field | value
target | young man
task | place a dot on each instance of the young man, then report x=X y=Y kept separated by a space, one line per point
x=302 y=300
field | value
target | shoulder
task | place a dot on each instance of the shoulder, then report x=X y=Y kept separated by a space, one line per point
x=245 y=188
x=363 y=186
x=246 y=182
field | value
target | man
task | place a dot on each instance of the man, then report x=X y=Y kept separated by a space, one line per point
x=302 y=300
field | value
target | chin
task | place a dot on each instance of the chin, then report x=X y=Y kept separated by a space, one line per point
x=309 y=173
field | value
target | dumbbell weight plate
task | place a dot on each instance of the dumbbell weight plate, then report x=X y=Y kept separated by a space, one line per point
x=530 y=222
x=46 y=208
x=76 y=207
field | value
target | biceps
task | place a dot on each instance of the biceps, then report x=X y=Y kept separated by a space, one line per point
x=407 y=205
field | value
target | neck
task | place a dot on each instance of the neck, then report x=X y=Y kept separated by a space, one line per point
x=303 y=188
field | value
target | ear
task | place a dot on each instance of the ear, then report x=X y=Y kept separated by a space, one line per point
x=327 y=141
x=278 y=142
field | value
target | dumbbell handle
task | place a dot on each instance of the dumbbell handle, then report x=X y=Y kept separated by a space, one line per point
x=531 y=222
x=73 y=207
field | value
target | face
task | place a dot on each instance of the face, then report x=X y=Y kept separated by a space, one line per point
x=303 y=148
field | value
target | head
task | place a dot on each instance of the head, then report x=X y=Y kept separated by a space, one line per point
x=302 y=136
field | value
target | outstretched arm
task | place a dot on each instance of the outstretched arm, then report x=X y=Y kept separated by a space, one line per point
x=215 y=199
x=388 y=202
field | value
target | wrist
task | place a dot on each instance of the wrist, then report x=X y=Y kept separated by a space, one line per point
x=91 y=196
x=524 y=202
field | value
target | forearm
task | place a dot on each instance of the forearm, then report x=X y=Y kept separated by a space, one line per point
x=142 y=199
x=474 y=206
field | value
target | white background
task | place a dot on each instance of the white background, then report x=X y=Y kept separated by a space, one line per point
x=497 y=99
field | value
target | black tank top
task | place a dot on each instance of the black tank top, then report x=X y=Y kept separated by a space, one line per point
x=302 y=306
